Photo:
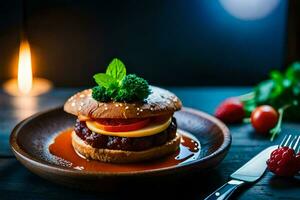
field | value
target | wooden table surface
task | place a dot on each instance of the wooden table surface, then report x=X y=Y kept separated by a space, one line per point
x=16 y=182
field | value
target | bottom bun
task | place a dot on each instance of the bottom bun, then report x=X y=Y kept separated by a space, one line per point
x=120 y=156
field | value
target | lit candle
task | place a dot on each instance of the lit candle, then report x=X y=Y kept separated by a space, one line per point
x=25 y=84
x=24 y=68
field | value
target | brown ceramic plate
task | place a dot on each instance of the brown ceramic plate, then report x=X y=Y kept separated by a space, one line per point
x=30 y=140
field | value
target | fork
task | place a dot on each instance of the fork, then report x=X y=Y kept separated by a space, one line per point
x=245 y=174
x=291 y=142
x=294 y=143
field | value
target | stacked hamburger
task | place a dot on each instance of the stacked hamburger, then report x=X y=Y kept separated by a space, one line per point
x=123 y=119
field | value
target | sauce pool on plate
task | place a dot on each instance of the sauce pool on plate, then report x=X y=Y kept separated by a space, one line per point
x=65 y=155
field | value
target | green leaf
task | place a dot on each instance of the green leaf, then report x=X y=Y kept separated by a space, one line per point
x=113 y=88
x=293 y=72
x=286 y=83
x=116 y=69
x=104 y=80
x=280 y=83
x=263 y=91
x=296 y=89
x=277 y=76
x=249 y=106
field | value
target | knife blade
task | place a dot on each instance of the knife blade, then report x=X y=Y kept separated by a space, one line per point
x=249 y=172
x=254 y=168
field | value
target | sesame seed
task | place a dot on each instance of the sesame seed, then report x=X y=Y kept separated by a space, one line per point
x=137 y=108
x=79 y=108
x=82 y=104
x=137 y=113
x=73 y=104
x=126 y=107
x=82 y=95
x=105 y=108
x=117 y=105
x=151 y=109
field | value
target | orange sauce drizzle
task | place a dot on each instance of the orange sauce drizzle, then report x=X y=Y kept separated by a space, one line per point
x=62 y=148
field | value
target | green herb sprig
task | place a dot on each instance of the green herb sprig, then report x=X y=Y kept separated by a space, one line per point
x=281 y=91
x=115 y=85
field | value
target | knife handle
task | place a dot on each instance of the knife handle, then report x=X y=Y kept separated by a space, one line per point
x=225 y=191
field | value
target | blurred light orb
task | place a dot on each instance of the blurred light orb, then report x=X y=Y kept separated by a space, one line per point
x=249 y=9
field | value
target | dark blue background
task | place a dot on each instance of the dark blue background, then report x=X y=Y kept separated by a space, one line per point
x=170 y=42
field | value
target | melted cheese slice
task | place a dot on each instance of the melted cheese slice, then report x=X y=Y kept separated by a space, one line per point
x=151 y=129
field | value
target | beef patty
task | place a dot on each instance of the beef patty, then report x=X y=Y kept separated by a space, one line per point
x=101 y=141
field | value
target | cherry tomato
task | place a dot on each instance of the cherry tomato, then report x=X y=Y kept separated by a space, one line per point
x=264 y=118
x=122 y=125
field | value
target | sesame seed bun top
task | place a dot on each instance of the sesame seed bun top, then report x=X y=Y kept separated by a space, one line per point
x=159 y=102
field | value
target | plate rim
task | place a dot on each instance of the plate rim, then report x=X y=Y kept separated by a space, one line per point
x=18 y=151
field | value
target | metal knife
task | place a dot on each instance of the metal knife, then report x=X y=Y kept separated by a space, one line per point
x=248 y=173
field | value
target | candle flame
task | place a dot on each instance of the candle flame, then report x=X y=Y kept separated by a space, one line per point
x=24 y=68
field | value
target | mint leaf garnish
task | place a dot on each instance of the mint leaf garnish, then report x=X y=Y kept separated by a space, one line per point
x=115 y=85
x=104 y=80
x=116 y=69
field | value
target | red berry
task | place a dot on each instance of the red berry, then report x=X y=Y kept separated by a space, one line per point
x=284 y=162
x=230 y=111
